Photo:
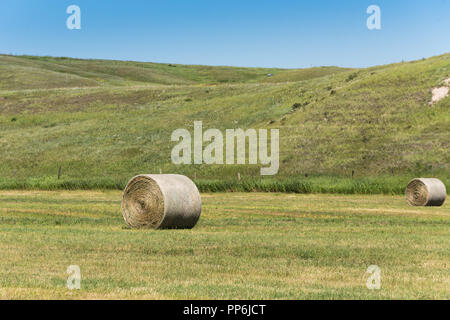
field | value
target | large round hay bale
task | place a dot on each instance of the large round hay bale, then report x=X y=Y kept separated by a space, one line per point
x=426 y=192
x=161 y=201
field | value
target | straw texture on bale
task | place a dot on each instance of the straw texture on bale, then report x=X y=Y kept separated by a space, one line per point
x=426 y=192
x=161 y=201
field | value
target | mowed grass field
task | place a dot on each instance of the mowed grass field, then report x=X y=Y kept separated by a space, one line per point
x=245 y=246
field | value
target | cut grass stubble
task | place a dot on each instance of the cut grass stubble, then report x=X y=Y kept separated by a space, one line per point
x=245 y=246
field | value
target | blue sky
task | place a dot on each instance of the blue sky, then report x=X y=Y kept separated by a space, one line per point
x=282 y=33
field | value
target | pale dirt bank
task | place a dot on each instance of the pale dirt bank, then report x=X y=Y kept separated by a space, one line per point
x=440 y=92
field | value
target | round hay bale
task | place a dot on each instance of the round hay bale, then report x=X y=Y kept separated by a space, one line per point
x=161 y=201
x=426 y=192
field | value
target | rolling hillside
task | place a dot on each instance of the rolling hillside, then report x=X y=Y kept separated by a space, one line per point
x=108 y=120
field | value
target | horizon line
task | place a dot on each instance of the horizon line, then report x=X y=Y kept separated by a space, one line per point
x=218 y=65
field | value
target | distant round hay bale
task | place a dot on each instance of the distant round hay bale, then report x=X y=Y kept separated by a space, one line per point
x=426 y=192
x=161 y=201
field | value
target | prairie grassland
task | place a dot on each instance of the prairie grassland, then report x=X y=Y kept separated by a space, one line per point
x=103 y=121
x=245 y=246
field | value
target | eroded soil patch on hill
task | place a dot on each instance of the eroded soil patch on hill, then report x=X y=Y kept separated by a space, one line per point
x=440 y=92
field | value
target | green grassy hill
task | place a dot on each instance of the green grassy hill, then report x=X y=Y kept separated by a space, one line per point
x=29 y=72
x=104 y=121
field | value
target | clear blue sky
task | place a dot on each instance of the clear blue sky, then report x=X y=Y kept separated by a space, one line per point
x=282 y=33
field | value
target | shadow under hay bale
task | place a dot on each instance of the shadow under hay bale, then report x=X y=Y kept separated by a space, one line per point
x=161 y=201
x=426 y=192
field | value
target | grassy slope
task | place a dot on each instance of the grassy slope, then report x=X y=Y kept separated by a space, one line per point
x=245 y=246
x=108 y=120
x=29 y=72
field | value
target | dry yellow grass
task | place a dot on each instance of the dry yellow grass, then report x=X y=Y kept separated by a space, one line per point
x=245 y=246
